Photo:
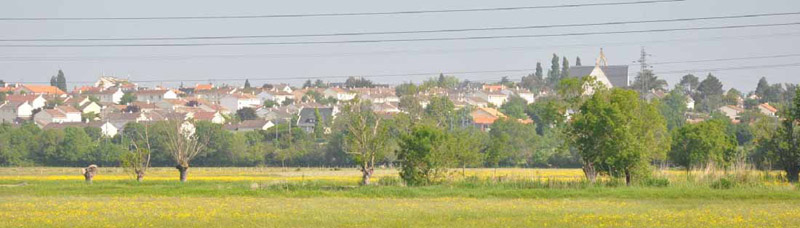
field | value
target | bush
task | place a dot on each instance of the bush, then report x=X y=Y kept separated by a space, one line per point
x=723 y=183
x=390 y=181
x=655 y=182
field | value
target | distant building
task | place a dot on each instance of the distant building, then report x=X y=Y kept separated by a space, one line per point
x=732 y=112
x=155 y=95
x=12 y=111
x=767 y=109
x=610 y=76
x=308 y=120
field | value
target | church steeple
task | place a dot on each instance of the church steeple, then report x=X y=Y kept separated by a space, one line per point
x=602 y=59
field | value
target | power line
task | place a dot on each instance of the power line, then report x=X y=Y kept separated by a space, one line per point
x=405 y=32
x=405 y=40
x=427 y=51
x=336 y=14
x=727 y=59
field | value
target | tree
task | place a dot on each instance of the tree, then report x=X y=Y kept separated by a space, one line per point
x=564 y=68
x=673 y=108
x=578 y=61
x=689 y=83
x=466 y=145
x=410 y=105
x=515 y=107
x=424 y=156
x=319 y=127
x=511 y=143
x=183 y=143
x=246 y=113
x=320 y=84
x=784 y=143
x=366 y=139
x=646 y=81
x=614 y=132
x=732 y=97
x=762 y=88
x=353 y=82
x=539 y=72
x=270 y=103
x=61 y=81
x=246 y=84
x=137 y=158
x=554 y=74
x=709 y=94
x=704 y=143
x=546 y=113
x=406 y=89
x=307 y=84
x=127 y=98
x=440 y=109
x=287 y=102
x=53 y=81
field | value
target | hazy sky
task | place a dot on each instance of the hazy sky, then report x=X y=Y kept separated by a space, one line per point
x=279 y=61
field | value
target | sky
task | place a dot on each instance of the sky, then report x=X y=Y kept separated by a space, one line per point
x=274 y=63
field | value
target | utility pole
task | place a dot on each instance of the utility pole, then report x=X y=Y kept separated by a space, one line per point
x=644 y=66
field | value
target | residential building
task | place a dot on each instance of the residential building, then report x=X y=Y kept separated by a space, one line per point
x=234 y=102
x=60 y=114
x=36 y=101
x=732 y=112
x=308 y=120
x=339 y=93
x=767 y=109
x=155 y=95
x=40 y=90
x=250 y=125
x=12 y=111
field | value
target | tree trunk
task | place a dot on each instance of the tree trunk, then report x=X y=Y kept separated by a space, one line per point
x=367 y=174
x=627 y=177
x=183 y=171
x=88 y=177
x=589 y=171
x=139 y=176
x=793 y=173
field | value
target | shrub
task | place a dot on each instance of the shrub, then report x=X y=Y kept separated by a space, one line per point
x=655 y=182
x=390 y=181
x=723 y=183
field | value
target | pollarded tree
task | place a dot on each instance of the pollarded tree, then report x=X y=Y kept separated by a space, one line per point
x=701 y=144
x=183 y=143
x=366 y=139
x=137 y=160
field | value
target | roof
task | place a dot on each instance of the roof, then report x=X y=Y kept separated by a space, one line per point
x=21 y=98
x=737 y=109
x=204 y=115
x=768 y=107
x=307 y=115
x=65 y=125
x=252 y=124
x=618 y=75
x=157 y=92
x=203 y=87
x=54 y=113
x=43 y=89
x=66 y=109
x=485 y=115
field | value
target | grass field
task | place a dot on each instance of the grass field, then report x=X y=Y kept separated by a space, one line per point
x=311 y=197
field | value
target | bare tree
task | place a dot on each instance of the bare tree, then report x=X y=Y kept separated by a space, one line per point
x=183 y=143
x=137 y=159
x=366 y=138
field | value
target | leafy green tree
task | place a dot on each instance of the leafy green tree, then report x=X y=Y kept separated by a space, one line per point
x=689 y=83
x=406 y=89
x=307 y=84
x=709 y=94
x=512 y=144
x=410 y=105
x=320 y=84
x=762 y=88
x=564 y=68
x=554 y=74
x=425 y=158
x=673 y=108
x=705 y=143
x=353 y=82
x=783 y=144
x=467 y=146
x=732 y=97
x=447 y=82
x=246 y=84
x=319 y=124
x=439 y=109
x=613 y=132
x=127 y=98
x=546 y=113
x=61 y=81
x=515 y=107
x=578 y=61
x=646 y=81
x=270 y=103
x=287 y=102
x=246 y=113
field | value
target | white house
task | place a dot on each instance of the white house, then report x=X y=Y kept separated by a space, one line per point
x=731 y=111
x=60 y=114
x=213 y=117
x=108 y=129
x=496 y=98
x=36 y=101
x=689 y=102
x=250 y=125
x=339 y=94
x=90 y=107
x=235 y=102
x=113 y=95
x=154 y=95
x=767 y=109
x=10 y=111
x=276 y=96
x=526 y=94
